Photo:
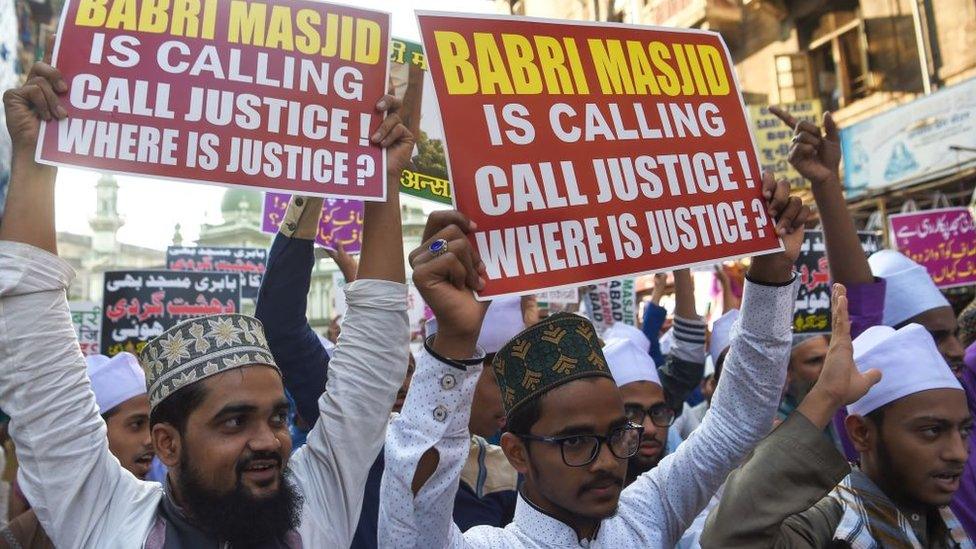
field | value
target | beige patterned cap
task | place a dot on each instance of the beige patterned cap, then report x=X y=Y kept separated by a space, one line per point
x=196 y=349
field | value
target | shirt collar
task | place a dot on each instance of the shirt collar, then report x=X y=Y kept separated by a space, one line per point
x=542 y=528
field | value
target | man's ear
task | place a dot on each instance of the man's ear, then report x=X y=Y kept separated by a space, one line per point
x=862 y=432
x=168 y=444
x=516 y=452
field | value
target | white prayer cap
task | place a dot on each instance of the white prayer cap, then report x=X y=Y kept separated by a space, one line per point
x=115 y=380
x=722 y=333
x=628 y=363
x=666 y=341
x=909 y=363
x=909 y=290
x=619 y=330
x=502 y=323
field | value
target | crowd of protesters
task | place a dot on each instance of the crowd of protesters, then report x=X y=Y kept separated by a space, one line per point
x=506 y=430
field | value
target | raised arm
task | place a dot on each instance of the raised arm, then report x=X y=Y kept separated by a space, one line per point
x=80 y=493
x=685 y=364
x=367 y=368
x=282 y=302
x=745 y=402
x=427 y=444
x=654 y=317
x=816 y=156
x=755 y=510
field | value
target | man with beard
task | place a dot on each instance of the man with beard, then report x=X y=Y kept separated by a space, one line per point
x=888 y=288
x=806 y=360
x=567 y=432
x=119 y=385
x=640 y=388
x=682 y=367
x=911 y=431
x=217 y=404
x=654 y=397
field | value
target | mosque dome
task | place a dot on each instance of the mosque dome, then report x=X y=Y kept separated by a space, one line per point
x=233 y=198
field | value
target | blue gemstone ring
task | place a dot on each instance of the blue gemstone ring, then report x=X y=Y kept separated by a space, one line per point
x=438 y=247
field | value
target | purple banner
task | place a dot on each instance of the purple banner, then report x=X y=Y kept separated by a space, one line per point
x=341 y=223
x=942 y=240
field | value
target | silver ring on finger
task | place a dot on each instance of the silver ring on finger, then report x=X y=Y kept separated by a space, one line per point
x=438 y=247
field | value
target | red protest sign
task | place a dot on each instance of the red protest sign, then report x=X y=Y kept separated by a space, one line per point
x=588 y=151
x=275 y=94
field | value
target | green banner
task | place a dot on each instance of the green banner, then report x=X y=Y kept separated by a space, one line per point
x=426 y=177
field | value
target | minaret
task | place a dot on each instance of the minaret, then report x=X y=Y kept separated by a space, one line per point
x=106 y=222
x=177 y=236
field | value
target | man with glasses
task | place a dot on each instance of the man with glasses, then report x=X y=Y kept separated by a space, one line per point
x=635 y=374
x=563 y=410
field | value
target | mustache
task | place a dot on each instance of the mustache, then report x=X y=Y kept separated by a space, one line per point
x=263 y=455
x=601 y=479
x=954 y=470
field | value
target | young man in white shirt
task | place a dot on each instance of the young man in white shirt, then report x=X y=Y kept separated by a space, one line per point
x=230 y=437
x=568 y=434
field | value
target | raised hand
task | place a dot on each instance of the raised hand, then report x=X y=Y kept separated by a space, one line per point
x=790 y=215
x=660 y=286
x=840 y=382
x=393 y=136
x=840 y=378
x=816 y=156
x=447 y=271
x=346 y=263
x=29 y=213
x=33 y=102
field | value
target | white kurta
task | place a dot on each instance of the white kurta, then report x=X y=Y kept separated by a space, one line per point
x=84 y=498
x=653 y=511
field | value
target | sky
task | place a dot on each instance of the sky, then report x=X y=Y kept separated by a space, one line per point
x=152 y=208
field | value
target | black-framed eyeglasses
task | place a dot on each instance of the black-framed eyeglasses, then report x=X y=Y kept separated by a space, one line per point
x=661 y=414
x=581 y=450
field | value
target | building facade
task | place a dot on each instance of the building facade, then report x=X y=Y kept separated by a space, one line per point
x=859 y=58
x=94 y=254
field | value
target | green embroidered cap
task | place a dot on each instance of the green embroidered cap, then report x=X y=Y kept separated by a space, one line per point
x=561 y=348
x=196 y=349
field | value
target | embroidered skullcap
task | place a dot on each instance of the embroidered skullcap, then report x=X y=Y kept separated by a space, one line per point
x=562 y=348
x=196 y=349
x=115 y=380
x=503 y=321
x=722 y=333
x=619 y=330
x=909 y=362
x=628 y=363
x=967 y=324
x=909 y=290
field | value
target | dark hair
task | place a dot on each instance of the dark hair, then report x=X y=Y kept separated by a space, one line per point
x=177 y=407
x=520 y=421
x=876 y=416
x=108 y=415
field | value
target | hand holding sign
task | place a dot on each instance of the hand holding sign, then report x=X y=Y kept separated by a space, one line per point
x=815 y=156
x=447 y=270
x=790 y=215
x=35 y=101
x=393 y=136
